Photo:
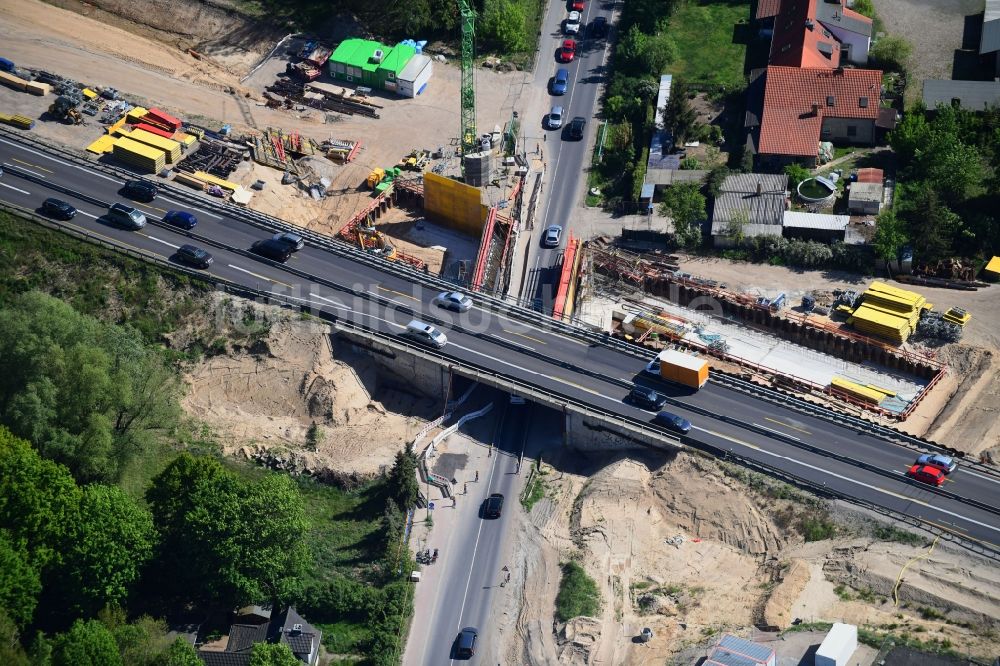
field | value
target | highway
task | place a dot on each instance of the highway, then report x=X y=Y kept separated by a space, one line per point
x=566 y=159
x=587 y=373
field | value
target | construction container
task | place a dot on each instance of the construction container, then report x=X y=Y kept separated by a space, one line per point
x=171 y=148
x=838 y=646
x=23 y=122
x=683 y=368
x=139 y=155
x=11 y=81
x=36 y=88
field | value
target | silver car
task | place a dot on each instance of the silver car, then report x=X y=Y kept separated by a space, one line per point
x=555 y=117
x=454 y=301
x=552 y=236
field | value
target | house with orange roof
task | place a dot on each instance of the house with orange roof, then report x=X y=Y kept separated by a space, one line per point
x=817 y=33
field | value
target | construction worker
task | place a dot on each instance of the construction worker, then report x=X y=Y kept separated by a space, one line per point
x=465 y=488
x=477 y=476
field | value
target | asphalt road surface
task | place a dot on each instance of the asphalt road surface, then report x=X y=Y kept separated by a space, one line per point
x=590 y=374
x=567 y=159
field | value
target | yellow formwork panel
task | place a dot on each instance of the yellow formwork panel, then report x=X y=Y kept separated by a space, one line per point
x=882 y=287
x=214 y=180
x=89 y=94
x=116 y=126
x=104 y=144
x=168 y=146
x=857 y=390
x=879 y=317
x=993 y=266
x=454 y=204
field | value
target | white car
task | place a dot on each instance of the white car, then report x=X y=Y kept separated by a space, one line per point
x=572 y=25
x=453 y=300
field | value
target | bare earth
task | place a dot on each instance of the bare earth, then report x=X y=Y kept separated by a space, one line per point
x=689 y=552
x=39 y=35
x=268 y=395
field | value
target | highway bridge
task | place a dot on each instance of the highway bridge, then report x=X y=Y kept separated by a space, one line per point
x=581 y=370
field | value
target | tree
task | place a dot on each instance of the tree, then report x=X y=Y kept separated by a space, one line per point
x=87 y=394
x=20 y=583
x=737 y=224
x=38 y=499
x=403 y=485
x=180 y=653
x=911 y=134
x=108 y=545
x=140 y=643
x=685 y=205
x=679 y=117
x=891 y=53
x=11 y=652
x=631 y=50
x=502 y=23
x=890 y=235
x=865 y=7
x=660 y=51
x=933 y=226
x=272 y=654
x=796 y=174
x=226 y=539
x=409 y=18
x=716 y=177
x=86 y=644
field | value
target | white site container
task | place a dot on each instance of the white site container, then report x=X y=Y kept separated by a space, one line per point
x=838 y=646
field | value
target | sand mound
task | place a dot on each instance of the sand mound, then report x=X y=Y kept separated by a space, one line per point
x=271 y=393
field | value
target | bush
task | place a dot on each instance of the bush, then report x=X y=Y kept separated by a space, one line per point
x=578 y=593
x=817 y=528
x=891 y=53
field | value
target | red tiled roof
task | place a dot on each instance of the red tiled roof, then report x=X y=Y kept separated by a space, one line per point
x=850 y=13
x=795 y=44
x=788 y=124
x=767 y=8
x=869 y=175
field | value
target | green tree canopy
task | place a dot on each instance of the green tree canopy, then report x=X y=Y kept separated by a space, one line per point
x=87 y=394
x=11 y=652
x=685 y=205
x=502 y=24
x=796 y=174
x=180 y=653
x=86 y=644
x=38 y=500
x=235 y=541
x=272 y=654
x=20 y=584
x=403 y=485
x=890 y=235
x=891 y=53
x=679 y=117
x=106 y=548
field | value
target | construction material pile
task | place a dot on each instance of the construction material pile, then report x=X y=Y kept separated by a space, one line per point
x=888 y=312
x=139 y=155
x=17 y=120
x=278 y=150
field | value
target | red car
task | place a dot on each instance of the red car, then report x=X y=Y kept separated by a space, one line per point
x=576 y=5
x=567 y=51
x=927 y=474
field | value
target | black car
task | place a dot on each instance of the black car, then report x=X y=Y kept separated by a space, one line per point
x=678 y=424
x=493 y=506
x=575 y=128
x=293 y=241
x=465 y=644
x=139 y=190
x=194 y=256
x=640 y=396
x=58 y=209
x=272 y=249
x=599 y=27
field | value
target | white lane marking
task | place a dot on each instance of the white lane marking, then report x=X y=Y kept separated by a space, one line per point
x=981 y=476
x=90 y=215
x=335 y=303
x=95 y=173
x=59 y=161
x=256 y=275
x=850 y=480
x=14 y=166
x=16 y=189
x=777 y=432
x=388 y=300
x=158 y=240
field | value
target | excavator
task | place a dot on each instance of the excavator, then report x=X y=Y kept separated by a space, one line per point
x=64 y=108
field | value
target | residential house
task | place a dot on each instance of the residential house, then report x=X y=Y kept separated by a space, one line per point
x=257 y=624
x=818 y=33
x=752 y=204
x=803 y=106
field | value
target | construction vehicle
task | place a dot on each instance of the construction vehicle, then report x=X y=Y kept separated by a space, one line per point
x=374 y=178
x=415 y=161
x=64 y=109
x=303 y=71
x=679 y=367
x=467 y=137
